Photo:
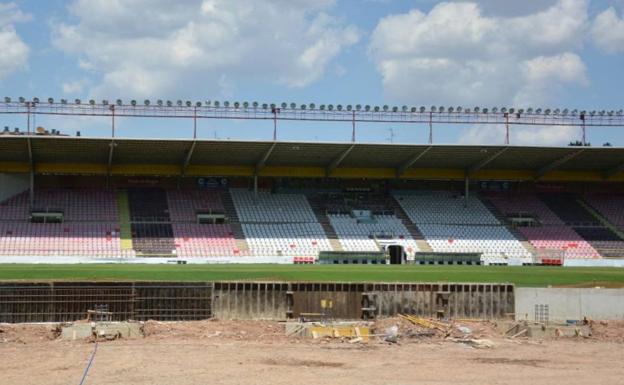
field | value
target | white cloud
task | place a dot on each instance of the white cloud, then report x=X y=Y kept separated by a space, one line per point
x=75 y=87
x=608 y=31
x=14 y=52
x=457 y=55
x=520 y=135
x=158 y=47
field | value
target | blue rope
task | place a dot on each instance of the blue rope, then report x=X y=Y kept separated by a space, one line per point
x=84 y=375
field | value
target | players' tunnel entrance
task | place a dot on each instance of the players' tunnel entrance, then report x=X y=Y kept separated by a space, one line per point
x=397 y=254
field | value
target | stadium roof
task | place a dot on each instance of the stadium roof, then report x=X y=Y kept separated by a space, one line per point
x=79 y=155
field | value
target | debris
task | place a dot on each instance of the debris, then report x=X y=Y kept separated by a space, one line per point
x=392 y=334
x=464 y=329
x=476 y=343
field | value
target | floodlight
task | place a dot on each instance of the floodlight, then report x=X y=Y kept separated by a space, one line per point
x=422 y=109
x=547 y=111
x=50 y=100
x=273 y=106
x=485 y=110
x=601 y=113
x=440 y=109
x=312 y=106
x=433 y=109
x=451 y=109
x=459 y=109
x=395 y=109
x=349 y=107
x=385 y=107
x=583 y=112
x=35 y=100
x=255 y=104
x=105 y=102
x=610 y=113
x=556 y=111
x=303 y=107
x=565 y=112
x=339 y=107
x=216 y=104
x=226 y=104
x=198 y=104
x=529 y=110
x=21 y=99
x=376 y=109
x=404 y=108
x=538 y=111
x=236 y=104
x=619 y=112
x=293 y=106
x=159 y=102
x=179 y=103
x=63 y=101
x=413 y=110
x=245 y=104
x=189 y=103
x=284 y=105
x=77 y=101
x=367 y=107
x=520 y=111
x=512 y=110
x=146 y=102
x=330 y=107
x=494 y=110
x=7 y=99
x=169 y=103
x=574 y=112
x=322 y=107
x=503 y=110
x=133 y=102
x=476 y=110
x=265 y=106
x=358 y=107
x=92 y=102
x=119 y=102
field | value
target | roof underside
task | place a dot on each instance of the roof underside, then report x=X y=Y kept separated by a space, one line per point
x=305 y=154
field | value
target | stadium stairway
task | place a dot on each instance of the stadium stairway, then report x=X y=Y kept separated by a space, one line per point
x=589 y=224
x=125 y=230
x=605 y=222
x=237 y=228
x=323 y=219
x=423 y=246
x=503 y=219
x=150 y=223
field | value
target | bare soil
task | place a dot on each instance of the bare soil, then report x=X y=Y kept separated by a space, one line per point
x=256 y=352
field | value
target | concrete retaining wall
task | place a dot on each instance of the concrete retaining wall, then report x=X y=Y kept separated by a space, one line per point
x=563 y=304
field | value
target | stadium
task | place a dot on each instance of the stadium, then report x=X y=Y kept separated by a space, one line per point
x=336 y=239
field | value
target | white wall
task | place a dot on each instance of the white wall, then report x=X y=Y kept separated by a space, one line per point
x=570 y=304
x=12 y=184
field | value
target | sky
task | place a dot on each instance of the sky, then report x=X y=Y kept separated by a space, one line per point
x=488 y=53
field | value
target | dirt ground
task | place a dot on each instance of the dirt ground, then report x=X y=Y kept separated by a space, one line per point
x=253 y=352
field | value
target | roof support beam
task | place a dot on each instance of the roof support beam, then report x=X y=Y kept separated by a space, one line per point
x=336 y=162
x=31 y=161
x=484 y=162
x=262 y=162
x=410 y=162
x=557 y=163
x=187 y=158
x=109 y=164
x=613 y=171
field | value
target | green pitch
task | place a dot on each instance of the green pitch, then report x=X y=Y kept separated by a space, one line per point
x=521 y=276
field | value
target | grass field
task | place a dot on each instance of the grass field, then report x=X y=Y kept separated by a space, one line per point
x=521 y=276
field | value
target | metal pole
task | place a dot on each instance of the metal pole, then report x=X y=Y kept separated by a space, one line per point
x=255 y=188
x=506 y=128
x=583 y=128
x=430 y=127
x=28 y=118
x=275 y=124
x=112 y=107
x=31 y=194
x=353 y=131
x=194 y=122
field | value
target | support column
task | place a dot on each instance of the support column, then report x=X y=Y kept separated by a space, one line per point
x=255 y=187
x=466 y=191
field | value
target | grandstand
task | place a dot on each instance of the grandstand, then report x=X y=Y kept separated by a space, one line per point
x=233 y=201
